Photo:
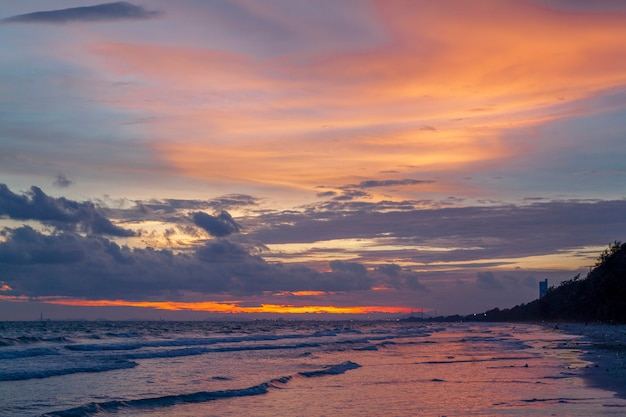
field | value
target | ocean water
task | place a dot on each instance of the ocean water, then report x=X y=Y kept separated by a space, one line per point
x=292 y=368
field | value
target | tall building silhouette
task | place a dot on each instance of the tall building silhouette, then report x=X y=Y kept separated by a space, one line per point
x=543 y=288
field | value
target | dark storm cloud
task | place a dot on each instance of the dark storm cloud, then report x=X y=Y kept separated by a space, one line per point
x=219 y=226
x=102 y=12
x=221 y=251
x=68 y=264
x=30 y=247
x=64 y=262
x=58 y=212
x=480 y=233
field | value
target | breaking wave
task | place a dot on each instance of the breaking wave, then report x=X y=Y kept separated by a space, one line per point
x=93 y=408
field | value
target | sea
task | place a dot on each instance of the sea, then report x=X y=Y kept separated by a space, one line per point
x=293 y=368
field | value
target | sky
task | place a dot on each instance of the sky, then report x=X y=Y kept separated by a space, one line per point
x=246 y=159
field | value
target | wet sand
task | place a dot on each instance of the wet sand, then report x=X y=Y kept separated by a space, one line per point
x=605 y=347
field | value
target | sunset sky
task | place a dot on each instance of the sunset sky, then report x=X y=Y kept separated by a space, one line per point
x=188 y=159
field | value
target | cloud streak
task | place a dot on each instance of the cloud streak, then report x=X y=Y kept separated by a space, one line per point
x=387 y=183
x=298 y=130
x=120 y=10
x=495 y=234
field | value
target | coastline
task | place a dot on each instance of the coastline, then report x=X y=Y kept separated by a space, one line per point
x=604 y=345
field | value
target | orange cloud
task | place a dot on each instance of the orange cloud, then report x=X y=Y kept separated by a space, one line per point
x=490 y=49
x=302 y=293
x=438 y=96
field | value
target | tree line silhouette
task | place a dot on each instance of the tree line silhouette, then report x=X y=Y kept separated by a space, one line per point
x=599 y=297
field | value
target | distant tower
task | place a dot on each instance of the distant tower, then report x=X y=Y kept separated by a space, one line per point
x=543 y=288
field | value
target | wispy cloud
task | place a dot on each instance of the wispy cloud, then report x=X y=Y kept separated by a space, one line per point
x=387 y=183
x=103 y=12
x=62 y=181
x=297 y=130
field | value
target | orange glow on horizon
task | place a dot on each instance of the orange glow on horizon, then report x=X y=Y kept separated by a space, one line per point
x=219 y=307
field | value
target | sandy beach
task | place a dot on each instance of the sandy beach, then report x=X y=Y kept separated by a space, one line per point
x=605 y=347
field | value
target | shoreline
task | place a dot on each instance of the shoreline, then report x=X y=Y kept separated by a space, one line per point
x=604 y=345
